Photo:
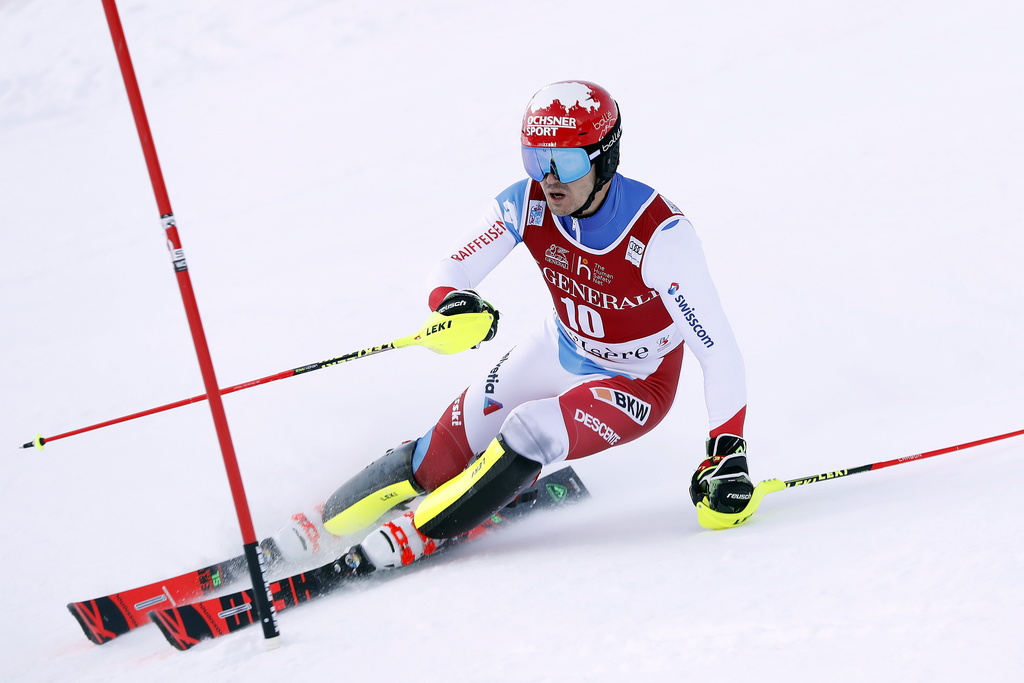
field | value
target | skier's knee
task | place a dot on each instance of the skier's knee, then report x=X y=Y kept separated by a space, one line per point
x=361 y=501
x=488 y=483
x=536 y=430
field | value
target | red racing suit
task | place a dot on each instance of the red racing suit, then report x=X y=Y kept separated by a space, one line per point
x=630 y=288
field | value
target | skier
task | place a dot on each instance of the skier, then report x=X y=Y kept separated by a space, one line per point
x=631 y=289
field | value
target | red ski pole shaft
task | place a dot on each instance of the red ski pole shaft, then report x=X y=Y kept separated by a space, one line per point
x=40 y=440
x=825 y=476
x=261 y=588
x=440 y=334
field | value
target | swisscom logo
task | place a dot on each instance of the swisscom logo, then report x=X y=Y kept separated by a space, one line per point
x=690 y=315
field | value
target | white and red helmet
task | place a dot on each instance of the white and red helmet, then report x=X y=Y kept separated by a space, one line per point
x=579 y=117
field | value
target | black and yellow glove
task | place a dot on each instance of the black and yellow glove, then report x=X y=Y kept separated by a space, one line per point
x=463 y=301
x=461 y=321
x=722 y=481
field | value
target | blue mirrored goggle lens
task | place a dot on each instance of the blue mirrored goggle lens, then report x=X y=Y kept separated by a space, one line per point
x=567 y=164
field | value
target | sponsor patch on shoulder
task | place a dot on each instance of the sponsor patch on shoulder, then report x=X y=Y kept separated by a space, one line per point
x=535 y=216
x=634 y=251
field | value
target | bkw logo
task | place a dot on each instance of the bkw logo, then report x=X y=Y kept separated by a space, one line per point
x=627 y=403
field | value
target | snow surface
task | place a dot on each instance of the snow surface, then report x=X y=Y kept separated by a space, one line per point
x=855 y=171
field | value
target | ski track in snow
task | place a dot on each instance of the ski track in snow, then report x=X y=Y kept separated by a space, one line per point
x=854 y=171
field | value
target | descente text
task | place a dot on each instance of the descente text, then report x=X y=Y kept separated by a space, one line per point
x=602 y=430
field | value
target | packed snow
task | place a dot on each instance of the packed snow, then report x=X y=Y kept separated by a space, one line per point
x=854 y=170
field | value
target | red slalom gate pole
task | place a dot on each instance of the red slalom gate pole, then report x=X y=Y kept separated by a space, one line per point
x=253 y=554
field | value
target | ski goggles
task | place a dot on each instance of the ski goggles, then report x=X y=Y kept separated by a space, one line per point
x=567 y=164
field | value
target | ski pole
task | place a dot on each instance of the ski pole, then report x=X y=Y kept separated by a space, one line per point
x=712 y=519
x=40 y=440
x=440 y=334
x=825 y=476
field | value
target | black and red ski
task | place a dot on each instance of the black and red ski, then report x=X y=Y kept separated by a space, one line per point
x=105 y=618
x=185 y=626
x=110 y=616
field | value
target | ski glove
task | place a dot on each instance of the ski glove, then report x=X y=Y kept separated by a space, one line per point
x=722 y=481
x=467 y=301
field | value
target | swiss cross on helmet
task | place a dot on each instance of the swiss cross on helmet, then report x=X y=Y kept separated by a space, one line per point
x=568 y=127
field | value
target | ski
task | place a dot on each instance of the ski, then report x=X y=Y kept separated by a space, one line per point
x=185 y=626
x=110 y=616
x=105 y=618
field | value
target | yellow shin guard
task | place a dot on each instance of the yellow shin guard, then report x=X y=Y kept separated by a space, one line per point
x=490 y=482
x=369 y=495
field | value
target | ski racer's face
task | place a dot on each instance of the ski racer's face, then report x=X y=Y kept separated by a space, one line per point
x=565 y=199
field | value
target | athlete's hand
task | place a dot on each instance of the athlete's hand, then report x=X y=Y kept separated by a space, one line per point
x=721 y=481
x=461 y=321
x=463 y=301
